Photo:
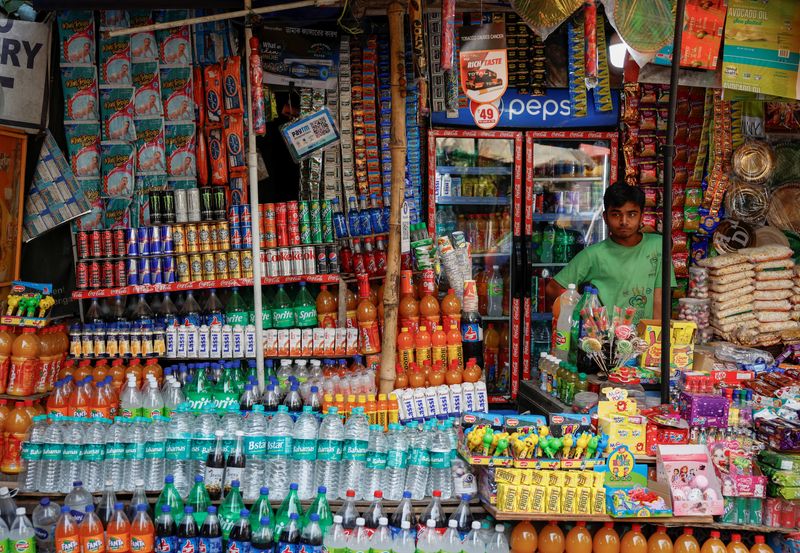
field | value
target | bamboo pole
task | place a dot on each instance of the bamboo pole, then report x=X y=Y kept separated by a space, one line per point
x=397 y=60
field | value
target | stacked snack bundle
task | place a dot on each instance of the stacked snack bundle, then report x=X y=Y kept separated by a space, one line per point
x=731 y=288
x=795 y=298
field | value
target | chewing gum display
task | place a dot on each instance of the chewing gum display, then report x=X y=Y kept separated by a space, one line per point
x=176 y=48
x=150 y=155
x=180 y=149
x=115 y=60
x=79 y=83
x=176 y=93
x=116 y=112
x=143 y=44
x=114 y=19
x=231 y=85
x=77 y=37
x=83 y=146
x=117 y=164
x=147 y=85
x=212 y=77
x=234 y=142
x=217 y=156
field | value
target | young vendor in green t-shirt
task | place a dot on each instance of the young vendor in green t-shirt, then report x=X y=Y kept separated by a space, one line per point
x=625 y=267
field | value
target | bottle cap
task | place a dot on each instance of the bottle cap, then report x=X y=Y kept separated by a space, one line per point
x=430 y=524
x=337 y=519
x=476 y=525
x=293 y=486
x=758 y=539
x=89 y=508
x=65 y=509
x=501 y=528
x=314 y=517
x=360 y=521
x=212 y=510
x=141 y=507
x=165 y=508
x=244 y=513
x=688 y=531
x=20 y=510
x=452 y=523
x=715 y=534
x=322 y=490
x=188 y=510
x=264 y=521
x=405 y=525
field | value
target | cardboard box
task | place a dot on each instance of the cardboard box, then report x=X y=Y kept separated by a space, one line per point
x=678 y=466
x=682 y=336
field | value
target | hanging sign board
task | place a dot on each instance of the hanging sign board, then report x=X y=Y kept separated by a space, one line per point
x=483 y=69
x=24 y=60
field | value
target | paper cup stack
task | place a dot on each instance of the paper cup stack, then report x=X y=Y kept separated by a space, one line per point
x=731 y=286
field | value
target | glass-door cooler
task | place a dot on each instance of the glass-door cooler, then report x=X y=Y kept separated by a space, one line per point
x=566 y=175
x=476 y=187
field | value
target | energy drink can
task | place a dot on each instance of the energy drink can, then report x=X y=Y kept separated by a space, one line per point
x=297 y=260
x=218 y=203
x=168 y=207
x=94 y=274
x=284 y=262
x=271 y=262
x=209 y=266
x=236 y=237
x=107 y=241
x=309 y=260
x=316 y=222
x=119 y=273
x=132 y=272
x=95 y=244
x=179 y=238
x=321 y=254
x=223 y=236
x=212 y=236
x=327 y=221
x=168 y=269
x=234 y=217
x=196 y=266
x=119 y=242
x=333 y=259
x=154 y=237
x=221 y=265
x=193 y=205
x=143 y=270
x=155 y=271
x=246 y=263
x=234 y=266
x=206 y=209
x=82 y=275
x=204 y=237
x=192 y=238
x=246 y=229
x=244 y=214
x=165 y=233
x=182 y=268
x=131 y=247
x=82 y=244
x=107 y=274
x=181 y=206
x=156 y=209
x=142 y=241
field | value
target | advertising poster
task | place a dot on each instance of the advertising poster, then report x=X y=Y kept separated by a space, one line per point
x=305 y=58
x=483 y=66
x=703 y=26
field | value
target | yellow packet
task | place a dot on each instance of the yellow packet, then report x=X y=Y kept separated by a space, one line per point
x=524 y=499
x=538 y=497
x=509 y=503
x=599 y=501
x=524 y=477
x=584 y=502
x=553 y=504
x=536 y=478
x=569 y=499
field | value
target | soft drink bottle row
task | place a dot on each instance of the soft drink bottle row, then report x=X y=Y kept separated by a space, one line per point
x=30 y=360
x=362 y=219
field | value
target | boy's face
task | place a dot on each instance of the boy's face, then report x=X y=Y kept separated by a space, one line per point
x=623 y=221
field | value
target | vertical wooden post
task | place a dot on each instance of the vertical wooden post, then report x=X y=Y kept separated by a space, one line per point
x=397 y=60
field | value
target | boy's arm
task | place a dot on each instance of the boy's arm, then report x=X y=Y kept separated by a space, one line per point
x=553 y=290
x=657 y=303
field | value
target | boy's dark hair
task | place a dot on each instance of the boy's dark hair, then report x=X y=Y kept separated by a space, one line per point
x=618 y=194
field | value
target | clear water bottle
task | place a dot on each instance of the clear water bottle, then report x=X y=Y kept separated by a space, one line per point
x=304 y=453
x=51 y=458
x=440 y=477
x=115 y=453
x=8 y=507
x=404 y=542
x=32 y=455
x=45 y=515
x=375 y=466
x=152 y=402
x=473 y=543
x=21 y=536
x=94 y=452
x=255 y=451
x=451 y=541
x=155 y=447
x=354 y=451
x=205 y=424
x=279 y=450
x=418 y=461
x=134 y=454
x=335 y=539
x=381 y=540
x=173 y=396
x=329 y=451
x=77 y=500
x=396 y=463
x=179 y=448
x=498 y=543
x=71 y=453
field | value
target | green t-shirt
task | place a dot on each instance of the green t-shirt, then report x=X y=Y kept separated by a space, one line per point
x=623 y=276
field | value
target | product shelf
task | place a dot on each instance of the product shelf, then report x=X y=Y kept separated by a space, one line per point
x=24 y=322
x=568 y=179
x=678 y=521
x=33 y=397
x=546 y=217
x=455 y=170
x=473 y=200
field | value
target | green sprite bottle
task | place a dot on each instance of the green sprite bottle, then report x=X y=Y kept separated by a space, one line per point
x=282 y=310
x=291 y=505
x=230 y=509
x=199 y=500
x=321 y=507
x=305 y=308
x=236 y=312
x=261 y=508
x=170 y=496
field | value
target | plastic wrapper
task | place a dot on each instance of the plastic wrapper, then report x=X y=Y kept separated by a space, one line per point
x=698 y=282
x=747 y=201
x=742 y=355
x=782 y=212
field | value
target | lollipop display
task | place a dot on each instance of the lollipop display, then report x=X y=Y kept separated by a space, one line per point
x=610 y=343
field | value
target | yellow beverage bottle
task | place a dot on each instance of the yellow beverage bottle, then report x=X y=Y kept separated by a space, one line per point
x=759 y=546
x=686 y=542
x=736 y=545
x=713 y=544
x=633 y=541
x=606 y=539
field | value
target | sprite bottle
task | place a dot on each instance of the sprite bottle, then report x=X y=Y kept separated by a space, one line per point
x=199 y=500
x=282 y=310
x=291 y=505
x=170 y=496
x=261 y=508
x=321 y=507
x=230 y=509
x=305 y=308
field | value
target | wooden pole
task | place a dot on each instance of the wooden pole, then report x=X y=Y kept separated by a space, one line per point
x=397 y=60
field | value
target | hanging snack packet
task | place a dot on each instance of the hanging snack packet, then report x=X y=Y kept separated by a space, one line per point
x=147 y=83
x=198 y=96
x=232 y=88
x=176 y=93
x=143 y=44
x=117 y=163
x=80 y=93
x=180 y=149
x=77 y=36
x=150 y=156
x=83 y=146
x=213 y=94
x=115 y=60
x=117 y=213
x=217 y=157
x=116 y=113
x=176 y=48
x=114 y=19
x=234 y=142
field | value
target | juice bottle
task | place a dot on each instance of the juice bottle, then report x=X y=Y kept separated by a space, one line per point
x=135 y=368
x=551 y=539
x=503 y=358
x=686 y=542
x=400 y=379
x=579 y=540
x=451 y=310
x=736 y=545
x=523 y=538
x=24 y=363
x=439 y=345
x=30 y=408
x=405 y=349
x=408 y=308
x=100 y=403
x=90 y=532
x=84 y=369
x=369 y=339
x=422 y=345
x=66 y=532
x=62 y=347
x=117 y=374
x=118 y=532
x=428 y=304
x=416 y=378
x=100 y=370
x=151 y=367
x=759 y=546
x=46 y=346
x=454 y=374
x=634 y=541
x=14 y=430
x=606 y=539
x=659 y=541
x=472 y=372
x=326 y=308
x=351 y=309
x=6 y=340
x=482 y=285
x=79 y=399
x=491 y=350
x=67 y=368
x=455 y=351
x=142 y=531
x=713 y=544
x=58 y=402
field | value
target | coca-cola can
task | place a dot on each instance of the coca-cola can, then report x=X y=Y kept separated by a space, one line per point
x=262 y=259
x=322 y=259
x=297 y=260
x=119 y=242
x=131 y=272
x=107 y=238
x=107 y=274
x=82 y=275
x=143 y=269
x=154 y=237
x=284 y=262
x=94 y=275
x=292 y=212
x=82 y=244
x=167 y=246
x=271 y=262
x=119 y=273
x=309 y=260
x=168 y=269
x=333 y=259
x=281 y=236
x=155 y=271
x=96 y=243
x=131 y=248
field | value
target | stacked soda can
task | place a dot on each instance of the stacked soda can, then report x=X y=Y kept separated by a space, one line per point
x=241 y=225
x=204 y=251
x=290 y=224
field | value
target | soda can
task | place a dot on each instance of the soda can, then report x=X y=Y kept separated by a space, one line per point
x=107 y=274
x=333 y=259
x=168 y=207
x=209 y=266
x=131 y=246
x=156 y=209
x=223 y=236
x=281 y=235
x=94 y=275
x=305 y=233
x=293 y=235
x=179 y=238
x=316 y=222
x=297 y=260
x=204 y=237
x=327 y=221
x=95 y=244
x=304 y=214
x=182 y=268
x=181 y=206
x=166 y=235
x=154 y=238
x=234 y=267
x=132 y=271
x=244 y=214
x=119 y=242
x=284 y=262
x=156 y=276
x=236 y=237
x=246 y=263
x=107 y=240
x=218 y=203
x=143 y=270
x=309 y=260
x=82 y=244
x=206 y=209
x=192 y=238
x=82 y=275
x=271 y=263
x=292 y=212
x=321 y=254
x=143 y=241
x=196 y=266
x=270 y=239
x=193 y=205
x=212 y=236
x=234 y=217
x=269 y=214
x=246 y=230
x=168 y=269
x=119 y=273
x=221 y=265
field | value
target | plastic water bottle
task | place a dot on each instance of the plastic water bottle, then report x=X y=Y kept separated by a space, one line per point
x=51 y=458
x=77 y=500
x=359 y=539
x=569 y=300
x=404 y=542
x=394 y=478
x=21 y=537
x=304 y=453
x=205 y=424
x=155 y=447
x=130 y=399
x=335 y=539
x=440 y=476
x=473 y=543
x=44 y=518
x=375 y=466
x=354 y=451
x=94 y=452
x=418 y=462
x=255 y=451
x=134 y=454
x=498 y=543
x=152 y=402
x=495 y=293
x=115 y=453
x=279 y=449
x=329 y=451
x=381 y=541
x=429 y=541
x=32 y=455
x=8 y=507
x=178 y=449
x=451 y=541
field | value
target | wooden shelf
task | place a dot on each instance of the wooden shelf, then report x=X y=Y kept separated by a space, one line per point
x=501 y=515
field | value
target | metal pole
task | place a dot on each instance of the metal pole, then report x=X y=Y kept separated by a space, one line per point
x=252 y=182
x=666 y=226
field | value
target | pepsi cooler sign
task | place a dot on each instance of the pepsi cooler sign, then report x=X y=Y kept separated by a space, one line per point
x=537 y=112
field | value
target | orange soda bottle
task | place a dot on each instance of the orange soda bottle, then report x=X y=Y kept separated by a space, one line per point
x=759 y=546
x=451 y=310
x=659 y=541
x=351 y=309
x=142 y=531
x=439 y=345
x=634 y=541
x=84 y=369
x=405 y=349
x=100 y=370
x=90 y=532
x=579 y=540
x=100 y=404
x=713 y=544
x=400 y=377
x=369 y=338
x=67 y=368
x=606 y=539
x=118 y=532
x=687 y=543
x=6 y=340
x=408 y=308
x=66 y=533
x=422 y=345
x=151 y=366
x=428 y=304
x=24 y=363
x=454 y=350
x=326 y=308
x=46 y=356
x=736 y=545
x=523 y=538
x=79 y=399
x=551 y=539
x=117 y=374
x=14 y=430
x=491 y=349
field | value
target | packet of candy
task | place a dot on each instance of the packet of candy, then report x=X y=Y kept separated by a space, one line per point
x=83 y=146
x=212 y=78
x=79 y=83
x=232 y=88
x=147 y=83
x=116 y=112
x=115 y=60
x=234 y=142
x=117 y=163
x=114 y=19
x=150 y=156
x=180 y=149
x=143 y=44
x=117 y=213
x=77 y=37
x=176 y=93
x=176 y=48
x=217 y=157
